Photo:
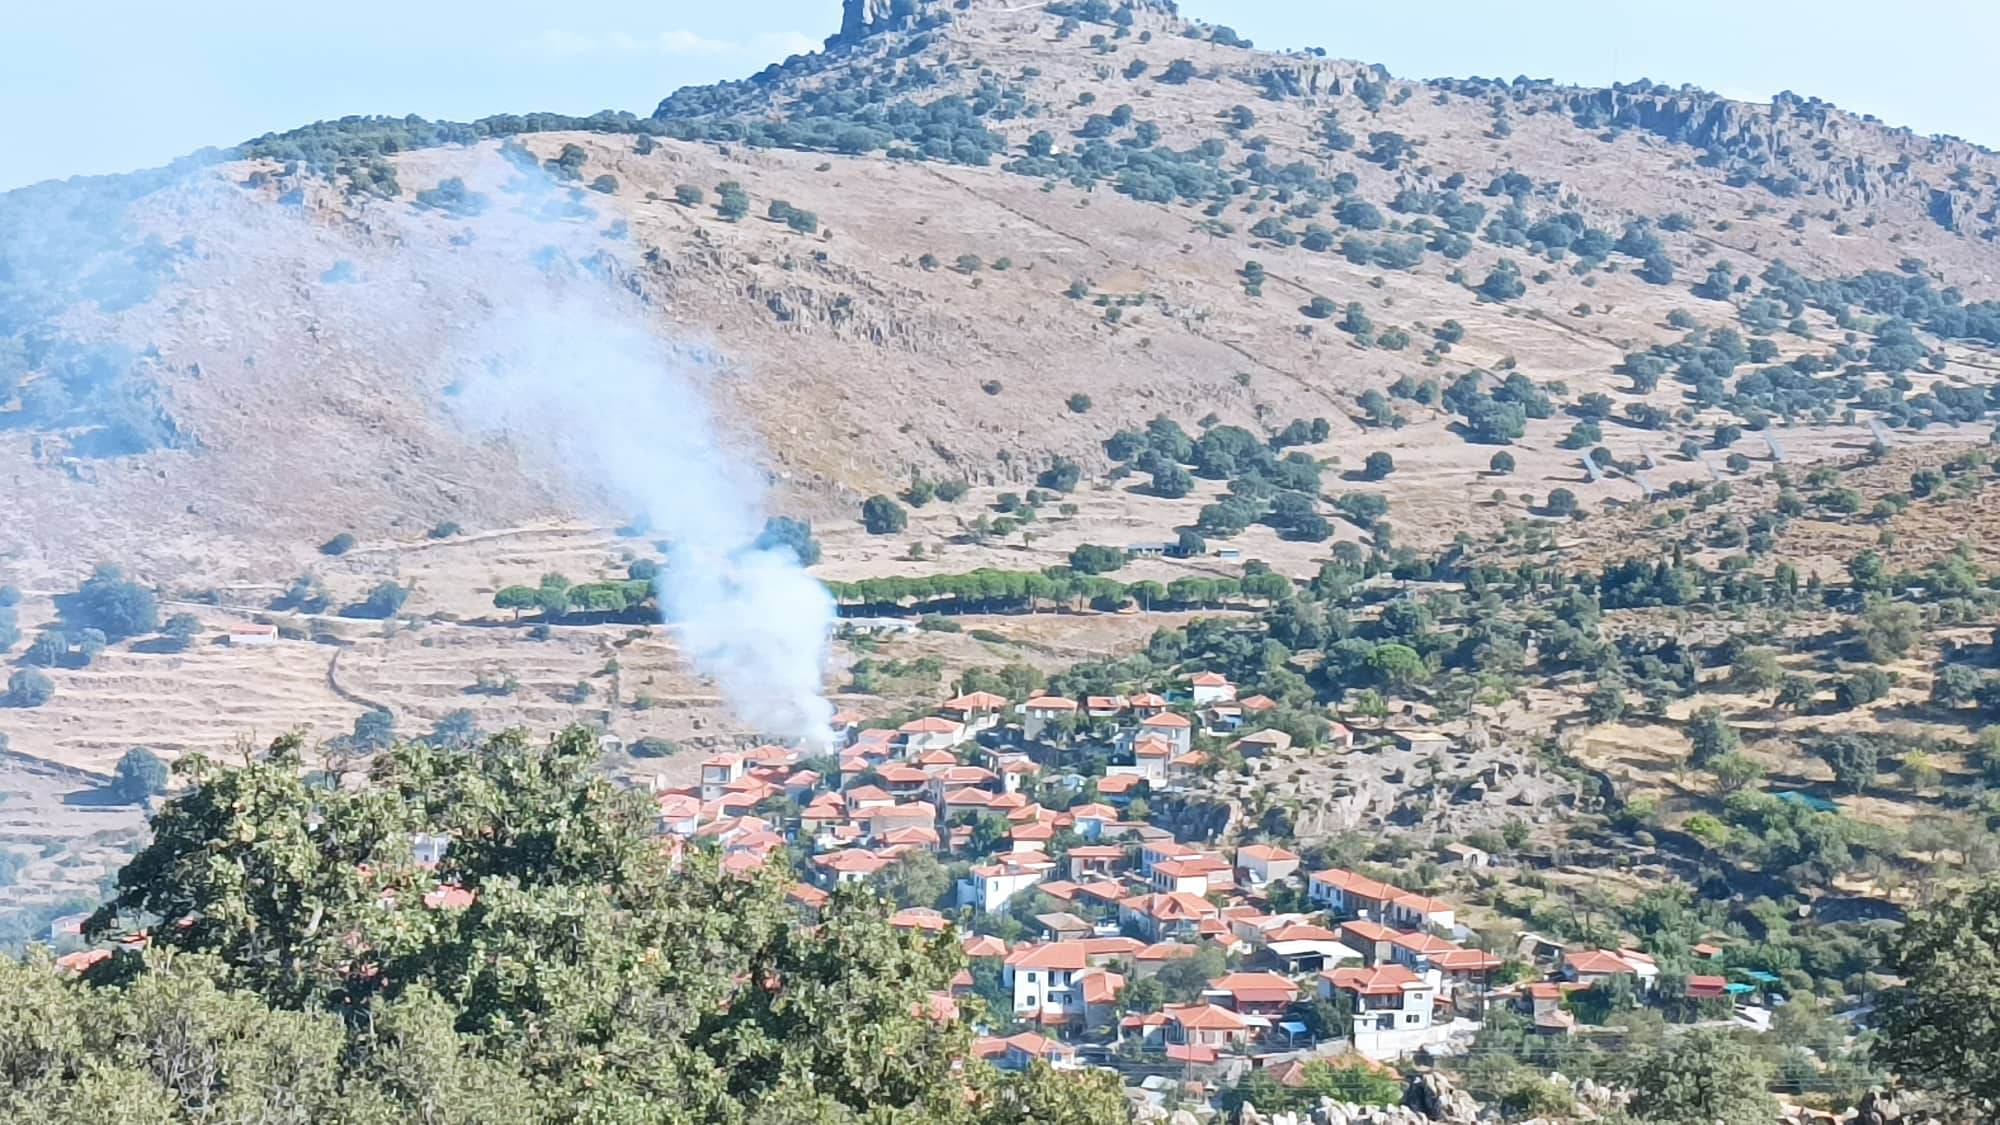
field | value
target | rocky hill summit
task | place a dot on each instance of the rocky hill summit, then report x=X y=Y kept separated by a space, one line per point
x=967 y=240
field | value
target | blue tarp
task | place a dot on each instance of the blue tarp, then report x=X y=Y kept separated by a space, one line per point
x=1816 y=804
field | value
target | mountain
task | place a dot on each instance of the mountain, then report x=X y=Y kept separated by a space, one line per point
x=970 y=167
x=970 y=243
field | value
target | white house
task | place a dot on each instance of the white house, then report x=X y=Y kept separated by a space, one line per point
x=253 y=634
x=717 y=772
x=427 y=848
x=1347 y=895
x=932 y=732
x=1260 y=865
x=1421 y=741
x=1211 y=687
x=1038 y=712
x=988 y=887
x=976 y=711
x=1174 y=729
x=1040 y=978
x=1590 y=966
x=1412 y=911
x=1386 y=997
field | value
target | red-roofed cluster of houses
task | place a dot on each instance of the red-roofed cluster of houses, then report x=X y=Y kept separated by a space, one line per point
x=922 y=785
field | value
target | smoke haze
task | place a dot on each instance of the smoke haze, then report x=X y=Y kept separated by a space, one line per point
x=583 y=386
x=571 y=373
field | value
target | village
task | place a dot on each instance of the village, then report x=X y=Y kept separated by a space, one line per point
x=1097 y=938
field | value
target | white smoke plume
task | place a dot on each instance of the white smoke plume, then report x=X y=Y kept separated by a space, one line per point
x=583 y=385
x=572 y=372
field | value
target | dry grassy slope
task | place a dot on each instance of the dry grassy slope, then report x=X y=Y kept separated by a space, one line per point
x=845 y=366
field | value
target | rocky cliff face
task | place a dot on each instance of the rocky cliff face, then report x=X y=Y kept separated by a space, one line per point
x=863 y=18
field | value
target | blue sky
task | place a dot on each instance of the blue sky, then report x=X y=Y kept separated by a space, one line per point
x=122 y=84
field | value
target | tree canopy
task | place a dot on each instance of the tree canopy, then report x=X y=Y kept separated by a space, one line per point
x=1938 y=1027
x=302 y=966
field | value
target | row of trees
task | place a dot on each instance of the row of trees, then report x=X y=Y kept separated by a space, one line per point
x=1002 y=591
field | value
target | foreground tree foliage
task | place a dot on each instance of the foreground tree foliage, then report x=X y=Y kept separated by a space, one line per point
x=297 y=970
x=1939 y=1029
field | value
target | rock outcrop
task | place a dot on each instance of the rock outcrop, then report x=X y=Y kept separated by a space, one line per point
x=863 y=18
x=1433 y=1095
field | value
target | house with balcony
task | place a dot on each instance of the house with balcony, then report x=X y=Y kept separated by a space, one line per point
x=1392 y=1005
x=1171 y=727
x=1060 y=984
x=717 y=773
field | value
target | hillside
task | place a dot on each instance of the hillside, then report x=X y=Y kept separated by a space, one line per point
x=967 y=243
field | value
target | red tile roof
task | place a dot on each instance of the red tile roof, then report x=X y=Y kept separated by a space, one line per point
x=1382 y=980
x=1256 y=988
x=1204 y=1017
x=1066 y=956
x=930 y=724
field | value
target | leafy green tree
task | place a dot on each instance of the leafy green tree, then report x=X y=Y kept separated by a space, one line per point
x=338 y=545
x=1606 y=701
x=1397 y=666
x=1711 y=736
x=384 y=601
x=140 y=774
x=180 y=630
x=1854 y=759
x=29 y=687
x=374 y=729
x=1502 y=463
x=1706 y=1077
x=1933 y=1028
x=120 y=608
x=914 y=878
x=1171 y=481
x=881 y=515
x=49 y=648
x=1658 y=269
x=1503 y=283
x=457 y=730
x=1756 y=671
x=1093 y=559
x=557 y=965
x=1888 y=630
x=1955 y=685
x=787 y=531
x=1062 y=475
x=1561 y=502
x=1735 y=771
x=1378 y=465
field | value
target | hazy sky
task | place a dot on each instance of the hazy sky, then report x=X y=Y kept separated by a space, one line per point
x=121 y=84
